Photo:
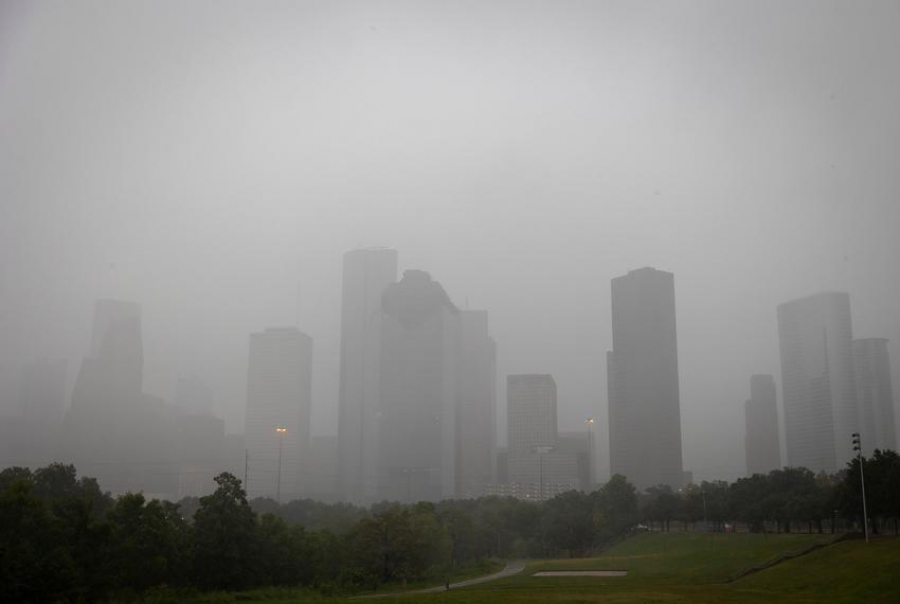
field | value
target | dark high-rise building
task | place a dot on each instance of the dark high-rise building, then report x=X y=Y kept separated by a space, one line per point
x=367 y=272
x=276 y=432
x=875 y=394
x=419 y=391
x=644 y=403
x=819 y=391
x=761 y=444
x=477 y=405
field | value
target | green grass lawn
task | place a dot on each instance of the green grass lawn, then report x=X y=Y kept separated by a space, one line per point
x=696 y=567
x=679 y=567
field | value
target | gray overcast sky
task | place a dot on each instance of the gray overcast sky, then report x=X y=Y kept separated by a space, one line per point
x=213 y=160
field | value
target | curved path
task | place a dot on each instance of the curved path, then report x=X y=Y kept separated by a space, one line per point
x=513 y=567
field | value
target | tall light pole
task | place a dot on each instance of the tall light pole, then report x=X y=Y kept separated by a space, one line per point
x=541 y=450
x=590 y=428
x=857 y=446
x=280 y=431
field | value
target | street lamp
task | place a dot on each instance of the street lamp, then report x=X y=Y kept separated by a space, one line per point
x=280 y=431
x=590 y=428
x=541 y=450
x=857 y=446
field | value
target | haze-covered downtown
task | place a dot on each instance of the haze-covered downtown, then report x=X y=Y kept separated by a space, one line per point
x=449 y=252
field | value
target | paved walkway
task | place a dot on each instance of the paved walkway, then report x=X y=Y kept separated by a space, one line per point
x=512 y=568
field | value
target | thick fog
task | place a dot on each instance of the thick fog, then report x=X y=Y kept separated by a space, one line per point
x=212 y=161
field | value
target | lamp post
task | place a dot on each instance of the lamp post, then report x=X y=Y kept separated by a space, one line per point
x=280 y=431
x=541 y=450
x=590 y=428
x=857 y=446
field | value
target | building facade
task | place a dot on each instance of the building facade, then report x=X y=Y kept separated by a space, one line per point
x=761 y=442
x=819 y=390
x=477 y=405
x=643 y=387
x=537 y=467
x=874 y=394
x=419 y=391
x=366 y=274
x=276 y=430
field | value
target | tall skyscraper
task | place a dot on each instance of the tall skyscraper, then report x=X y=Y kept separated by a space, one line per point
x=419 y=391
x=367 y=272
x=278 y=410
x=761 y=444
x=820 y=411
x=875 y=394
x=477 y=405
x=537 y=467
x=644 y=403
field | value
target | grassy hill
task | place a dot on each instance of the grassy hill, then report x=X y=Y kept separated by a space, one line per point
x=696 y=567
x=679 y=567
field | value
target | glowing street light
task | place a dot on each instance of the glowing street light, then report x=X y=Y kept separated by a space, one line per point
x=280 y=431
x=590 y=426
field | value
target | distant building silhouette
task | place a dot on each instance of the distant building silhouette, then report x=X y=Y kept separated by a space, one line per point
x=110 y=419
x=129 y=440
x=419 y=391
x=193 y=395
x=761 y=443
x=366 y=274
x=642 y=368
x=30 y=437
x=278 y=395
x=576 y=445
x=538 y=467
x=875 y=394
x=477 y=405
x=820 y=411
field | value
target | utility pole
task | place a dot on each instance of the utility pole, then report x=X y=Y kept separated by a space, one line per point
x=541 y=450
x=857 y=446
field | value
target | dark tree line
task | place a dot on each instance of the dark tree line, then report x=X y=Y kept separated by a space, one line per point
x=786 y=500
x=63 y=539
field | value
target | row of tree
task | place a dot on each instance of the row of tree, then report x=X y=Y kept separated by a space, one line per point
x=62 y=538
x=785 y=500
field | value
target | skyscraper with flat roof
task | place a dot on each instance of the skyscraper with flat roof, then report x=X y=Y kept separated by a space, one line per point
x=874 y=394
x=642 y=367
x=819 y=390
x=761 y=443
x=279 y=382
x=367 y=272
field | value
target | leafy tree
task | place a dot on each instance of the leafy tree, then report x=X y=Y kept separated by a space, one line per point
x=148 y=542
x=568 y=523
x=615 y=508
x=224 y=538
x=35 y=564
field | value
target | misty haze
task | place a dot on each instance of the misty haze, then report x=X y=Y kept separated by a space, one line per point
x=354 y=297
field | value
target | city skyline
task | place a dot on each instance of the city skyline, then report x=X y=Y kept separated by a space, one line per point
x=526 y=156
